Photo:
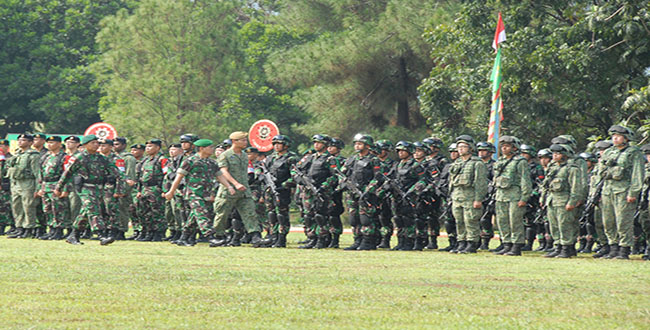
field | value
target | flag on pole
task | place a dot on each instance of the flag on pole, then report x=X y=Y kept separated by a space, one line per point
x=496 y=114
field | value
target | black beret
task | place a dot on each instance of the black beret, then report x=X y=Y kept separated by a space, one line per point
x=54 y=138
x=138 y=146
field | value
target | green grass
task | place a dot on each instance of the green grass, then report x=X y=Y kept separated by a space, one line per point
x=48 y=284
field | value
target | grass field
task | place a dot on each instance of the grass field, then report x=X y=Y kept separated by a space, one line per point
x=48 y=284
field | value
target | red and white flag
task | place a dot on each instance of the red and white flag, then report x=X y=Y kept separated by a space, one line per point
x=499 y=34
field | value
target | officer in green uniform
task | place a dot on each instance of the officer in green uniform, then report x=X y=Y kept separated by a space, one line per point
x=154 y=168
x=54 y=208
x=111 y=203
x=24 y=172
x=336 y=226
x=468 y=186
x=72 y=143
x=130 y=163
x=137 y=151
x=172 y=213
x=6 y=218
x=602 y=248
x=545 y=157
x=623 y=172
x=561 y=194
x=513 y=189
x=94 y=169
x=486 y=150
x=233 y=163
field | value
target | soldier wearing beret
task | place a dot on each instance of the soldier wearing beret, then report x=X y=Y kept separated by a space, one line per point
x=72 y=144
x=6 y=217
x=111 y=202
x=55 y=208
x=173 y=208
x=95 y=170
x=25 y=174
x=154 y=169
x=130 y=163
x=137 y=151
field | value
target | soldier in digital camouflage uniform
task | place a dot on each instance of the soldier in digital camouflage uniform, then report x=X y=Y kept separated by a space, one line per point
x=623 y=172
x=486 y=150
x=199 y=175
x=533 y=229
x=24 y=172
x=94 y=169
x=154 y=169
x=437 y=162
x=6 y=217
x=467 y=187
x=55 y=208
x=513 y=189
x=562 y=193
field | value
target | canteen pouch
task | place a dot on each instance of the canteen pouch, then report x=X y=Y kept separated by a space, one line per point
x=617 y=173
x=557 y=184
x=503 y=182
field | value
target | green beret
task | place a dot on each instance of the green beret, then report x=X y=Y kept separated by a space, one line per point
x=175 y=145
x=154 y=141
x=203 y=143
x=106 y=141
x=54 y=138
x=40 y=135
x=73 y=138
x=138 y=146
x=88 y=138
x=26 y=136
x=252 y=149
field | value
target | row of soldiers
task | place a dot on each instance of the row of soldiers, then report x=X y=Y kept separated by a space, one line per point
x=553 y=196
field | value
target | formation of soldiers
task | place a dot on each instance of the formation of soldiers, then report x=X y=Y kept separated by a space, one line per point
x=228 y=194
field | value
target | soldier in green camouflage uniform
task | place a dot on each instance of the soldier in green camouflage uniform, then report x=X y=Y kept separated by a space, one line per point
x=513 y=189
x=436 y=163
x=111 y=203
x=6 y=217
x=383 y=148
x=602 y=248
x=361 y=170
x=257 y=191
x=623 y=172
x=137 y=150
x=587 y=232
x=545 y=157
x=562 y=192
x=55 y=208
x=94 y=169
x=467 y=187
x=336 y=226
x=172 y=211
x=485 y=150
x=24 y=172
x=130 y=163
x=154 y=168
x=198 y=174
x=72 y=148
x=39 y=145
x=533 y=229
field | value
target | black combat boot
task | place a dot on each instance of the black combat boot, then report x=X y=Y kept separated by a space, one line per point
x=87 y=234
x=191 y=240
x=236 y=239
x=218 y=241
x=147 y=237
x=256 y=239
x=58 y=234
x=269 y=240
x=2 y=230
x=334 y=243
x=109 y=237
x=485 y=244
x=44 y=236
x=12 y=230
x=623 y=252
x=310 y=244
x=565 y=252
x=506 y=248
x=246 y=239
x=321 y=242
x=636 y=246
x=499 y=248
x=452 y=244
x=550 y=247
x=530 y=239
x=385 y=241
x=73 y=238
x=419 y=244
x=172 y=234
x=17 y=233
x=158 y=236
x=28 y=233
x=462 y=245
x=136 y=234
x=120 y=236
x=183 y=240
x=282 y=241
x=470 y=248
x=400 y=243
x=542 y=245
x=603 y=251
x=583 y=244
x=408 y=244
x=433 y=243
x=355 y=245
x=613 y=252
x=367 y=243
x=515 y=250
x=646 y=255
x=556 y=251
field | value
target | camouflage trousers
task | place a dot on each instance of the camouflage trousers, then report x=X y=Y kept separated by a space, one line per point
x=6 y=217
x=75 y=208
x=510 y=221
x=467 y=220
x=92 y=199
x=426 y=217
x=23 y=203
x=362 y=214
x=385 y=217
x=404 y=218
x=278 y=210
x=260 y=208
x=152 y=211
x=135 y=211
x=316 y=213
x=562 y=224
x=199 y=216
x=55 y=209
x=111 y=208
x=618 y=218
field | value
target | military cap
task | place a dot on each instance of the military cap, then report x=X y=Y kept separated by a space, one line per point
x=88 y=138
x=511 y=140
x=645 y=148
x=40 y=135
x=465 y=139
x=154 y=141
x=252 y=150
x=73 y=138
x=175 y=145
x=26 y=136
x=105 y=141
x=238 y=135
x=120 y=139
x=203 y=143
x=4 y=142
x=602 y=145
x=54 y=138
x=138 y=146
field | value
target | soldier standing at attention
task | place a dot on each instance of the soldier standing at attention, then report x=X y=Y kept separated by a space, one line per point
x=6 y=218
x=514 y=188
x=536 y=177
x=24 y=172
x=336 y=226
x=130 y=163
x=154 y=168
x=137 y=150
x=384 y=147
x=485 y=152
x=54 y=208
x=94 y=169
x=623 y=172
x=233 y=164
x=72 y=148
x=111 y=203
x=173 y=207
x=467 y=188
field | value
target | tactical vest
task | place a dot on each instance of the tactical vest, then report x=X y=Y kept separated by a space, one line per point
x=362 y=170
x=320 y=168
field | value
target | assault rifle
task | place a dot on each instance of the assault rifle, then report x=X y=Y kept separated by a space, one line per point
x=643 y=204
x=306 y=181
x=269 y=180
x=346 y=183
x=391 y=186
x=587 y=216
